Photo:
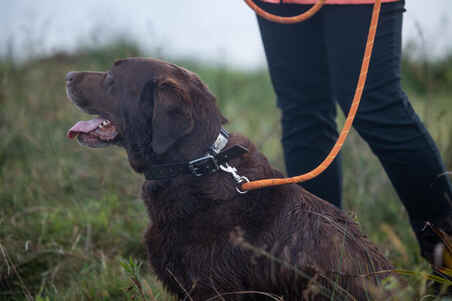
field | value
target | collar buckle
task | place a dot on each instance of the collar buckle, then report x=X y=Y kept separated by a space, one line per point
x=203 y=166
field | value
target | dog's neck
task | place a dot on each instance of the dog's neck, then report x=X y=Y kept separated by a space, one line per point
x=183 y=196
x=204 y=165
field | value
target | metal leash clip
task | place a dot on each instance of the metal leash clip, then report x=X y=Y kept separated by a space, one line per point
x=237 y=178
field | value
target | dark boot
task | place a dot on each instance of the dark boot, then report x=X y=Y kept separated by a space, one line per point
x=435 y=241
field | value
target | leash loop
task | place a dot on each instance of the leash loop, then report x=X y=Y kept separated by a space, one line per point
x=286 y=20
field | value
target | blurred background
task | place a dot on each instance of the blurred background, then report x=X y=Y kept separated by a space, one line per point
x=71 y=218
x=210 y=30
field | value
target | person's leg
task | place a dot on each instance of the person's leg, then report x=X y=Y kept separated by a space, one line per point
x=298 y=66
x=385 y=118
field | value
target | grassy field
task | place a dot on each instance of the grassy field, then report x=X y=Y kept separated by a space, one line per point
x=72 y=223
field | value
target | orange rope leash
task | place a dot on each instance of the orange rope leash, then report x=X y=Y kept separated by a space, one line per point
x=351 y=115
x=286 y=20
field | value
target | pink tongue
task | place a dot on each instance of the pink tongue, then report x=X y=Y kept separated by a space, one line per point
x=84 y=127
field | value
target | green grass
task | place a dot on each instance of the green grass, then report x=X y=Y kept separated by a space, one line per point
x=71 y=221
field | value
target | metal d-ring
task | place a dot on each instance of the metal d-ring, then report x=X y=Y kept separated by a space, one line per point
x=237 y=178
x=243 y=179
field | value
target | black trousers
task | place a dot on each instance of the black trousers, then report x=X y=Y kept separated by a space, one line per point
x=314 y=65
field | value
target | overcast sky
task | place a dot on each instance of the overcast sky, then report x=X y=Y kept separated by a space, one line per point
x=214 y=30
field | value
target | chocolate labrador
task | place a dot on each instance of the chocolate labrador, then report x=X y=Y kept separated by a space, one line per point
x=207 y=239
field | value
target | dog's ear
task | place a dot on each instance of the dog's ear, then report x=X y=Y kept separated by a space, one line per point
x=172 y=114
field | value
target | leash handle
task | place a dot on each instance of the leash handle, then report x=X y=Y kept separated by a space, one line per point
x=286 y=20
x=350 y=117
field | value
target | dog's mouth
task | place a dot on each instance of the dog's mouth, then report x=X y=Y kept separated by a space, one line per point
x=97 y=132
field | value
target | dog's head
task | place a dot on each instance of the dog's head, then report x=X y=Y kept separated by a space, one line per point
x=157 y=111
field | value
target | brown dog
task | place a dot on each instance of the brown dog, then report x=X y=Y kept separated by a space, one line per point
x=206 y=240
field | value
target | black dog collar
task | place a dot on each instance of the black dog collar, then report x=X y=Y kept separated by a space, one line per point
x=207 y=164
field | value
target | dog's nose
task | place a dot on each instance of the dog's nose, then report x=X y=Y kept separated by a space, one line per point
x=70 y=76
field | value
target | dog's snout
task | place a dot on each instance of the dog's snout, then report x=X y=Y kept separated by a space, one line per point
x=71 y=76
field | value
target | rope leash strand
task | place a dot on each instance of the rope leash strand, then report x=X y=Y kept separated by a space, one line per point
x=356 y=99
x=286 y=20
